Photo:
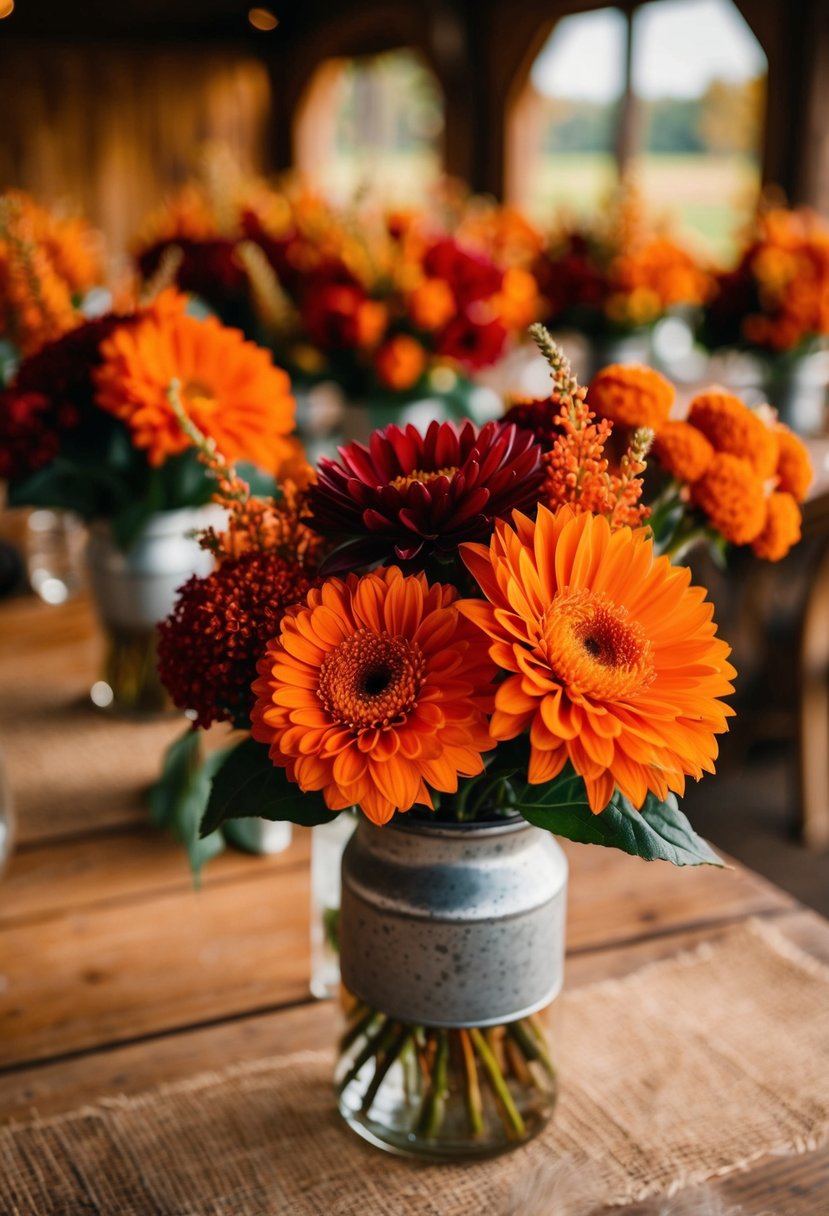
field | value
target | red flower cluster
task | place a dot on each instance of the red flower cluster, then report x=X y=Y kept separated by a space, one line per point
x=211 y=642
x=51 y=395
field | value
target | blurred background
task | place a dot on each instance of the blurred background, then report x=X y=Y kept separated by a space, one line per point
x=708 y=106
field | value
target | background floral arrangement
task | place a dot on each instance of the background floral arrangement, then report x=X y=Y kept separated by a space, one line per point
x=385 y=304
x=617 y=272
x=48 y=263
x=775 y=300
x=88 y=424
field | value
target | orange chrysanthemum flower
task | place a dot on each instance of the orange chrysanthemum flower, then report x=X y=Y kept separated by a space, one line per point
x=227 y=386
x=731 y=495
x=794 y=468
x=782 y=527
x=683 y=451
x=376 y=690
x=730 y=426
x=614 y=660
x=632 y=395
x=432 y=304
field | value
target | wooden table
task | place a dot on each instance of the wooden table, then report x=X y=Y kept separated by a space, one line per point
x=115 y=975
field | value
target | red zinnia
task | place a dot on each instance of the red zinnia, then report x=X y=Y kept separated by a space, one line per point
x=408 y=496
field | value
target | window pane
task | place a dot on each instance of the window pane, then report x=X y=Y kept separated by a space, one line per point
x=372 y=125
x=561 y=132
x=699 y=74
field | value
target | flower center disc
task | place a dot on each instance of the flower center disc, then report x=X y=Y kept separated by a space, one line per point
x=419 y=475
x=595 y=648
x=371 y=680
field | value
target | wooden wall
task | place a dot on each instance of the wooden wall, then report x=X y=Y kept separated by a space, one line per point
x=108 y=129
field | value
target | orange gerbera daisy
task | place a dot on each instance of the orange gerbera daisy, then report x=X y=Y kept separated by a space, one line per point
x=375 y=690
x=615 y=662
x=227 y=386
x=632 y=395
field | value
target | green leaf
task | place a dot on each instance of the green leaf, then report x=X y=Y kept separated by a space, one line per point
x=657 y=832
x=247 y=784
x=179 y=797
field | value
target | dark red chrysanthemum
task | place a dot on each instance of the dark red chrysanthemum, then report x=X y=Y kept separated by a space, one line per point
x=28 y=436
x=472 y=276
x=208 y=268
x=408 y=496
x=210 y=643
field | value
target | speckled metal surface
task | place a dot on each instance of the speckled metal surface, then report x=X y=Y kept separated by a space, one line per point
x=136 y=589
x=453 y=925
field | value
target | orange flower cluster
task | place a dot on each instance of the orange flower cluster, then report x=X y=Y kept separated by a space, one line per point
x=777 y=297
x=745 y=471
x=228 y=387
x=618 y=271
x=46 y=263
x=577 y=462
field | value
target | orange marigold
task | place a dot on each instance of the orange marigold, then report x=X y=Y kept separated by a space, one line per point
x=794 y=468
x=632 y=395
x=399 y=363
x=730 y=426
x=683 y=451
x=432 y=304
x=731 y=495
x=227 y=386
x=613 y=657
x=376 y=690
x=782 y=527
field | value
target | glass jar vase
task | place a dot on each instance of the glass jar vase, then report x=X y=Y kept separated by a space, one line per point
x=452 y=956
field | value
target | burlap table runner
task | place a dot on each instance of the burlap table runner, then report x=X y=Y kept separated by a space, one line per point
x=689 y=1068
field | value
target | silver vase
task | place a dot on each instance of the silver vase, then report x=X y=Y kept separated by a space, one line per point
x=133 y=590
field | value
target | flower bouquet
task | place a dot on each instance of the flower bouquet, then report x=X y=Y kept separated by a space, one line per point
x=774 y=305
x=613 y=277
x=87 y=424
x=467 y=635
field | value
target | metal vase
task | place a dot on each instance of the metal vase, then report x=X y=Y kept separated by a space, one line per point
x=136 y=588
x=133 y=590
x=453 y=925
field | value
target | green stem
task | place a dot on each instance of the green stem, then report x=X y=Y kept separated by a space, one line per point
x=541 y=1045
x=391 y=1046
x=434 y=1106
x=474 y=1102
x=362 y=1023
x=368 y=1049
x=496 y=1080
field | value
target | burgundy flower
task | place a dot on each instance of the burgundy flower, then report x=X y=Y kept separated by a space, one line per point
x=472 y=276
x=210 y=269
x=49 y=397
x=408 y=496
x=472 y=344
x=210 y=644
x=538 y=416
